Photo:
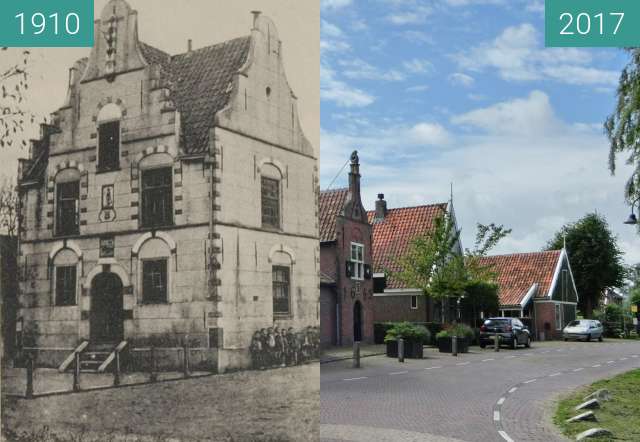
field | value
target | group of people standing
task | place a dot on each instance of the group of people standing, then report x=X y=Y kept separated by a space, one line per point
x=273 y=347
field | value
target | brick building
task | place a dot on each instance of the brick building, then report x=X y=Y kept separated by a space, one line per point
x=346 y=284
x=393 y=231
x=539 y=286
x=172 y=196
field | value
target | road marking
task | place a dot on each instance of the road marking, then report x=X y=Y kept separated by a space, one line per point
x=501 y=400
x=546 y=351
x=496 y=415
x=578 y=369
x=528 y=354
x=510 y=357
x=355 y=379
x=623 y=359
x=529 y=381
x=398 y=372
x=433 y=368
x=463 y=363
x=634 y=356
x=559 y=349
x=611 y=362
x=505 y=436
x=513 y=390
x=597 y=365
x=487 y=360
x=554 y=374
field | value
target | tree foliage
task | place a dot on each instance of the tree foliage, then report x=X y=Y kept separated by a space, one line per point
x=14 y=82
x=9 y=208
x=596 y=259
x=623 y=125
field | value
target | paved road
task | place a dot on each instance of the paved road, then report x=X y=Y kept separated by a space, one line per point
x=480 y=396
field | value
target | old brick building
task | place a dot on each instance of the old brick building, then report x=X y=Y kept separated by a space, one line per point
x=172 y=196
x=346 y=284
x=539 y=286
x=393 y=231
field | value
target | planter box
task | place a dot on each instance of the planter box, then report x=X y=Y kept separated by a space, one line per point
x=444 y=345
x=412 y=349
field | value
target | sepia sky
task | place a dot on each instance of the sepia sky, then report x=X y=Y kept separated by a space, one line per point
x=168 y=25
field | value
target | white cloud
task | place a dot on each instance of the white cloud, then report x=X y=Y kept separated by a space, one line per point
x=521 y=116
x=359 y=69
x=517 y=55
x=418 y=66
x=418 y=88
x=461 y=79
x=334 y=4
x=533 y=182
x=332 y=38
x=332 y=89
x=474 y=2
x=430 y=134
x=415 y=16
x=417 y=36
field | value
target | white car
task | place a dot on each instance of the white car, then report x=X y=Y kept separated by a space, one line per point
x=586 y=329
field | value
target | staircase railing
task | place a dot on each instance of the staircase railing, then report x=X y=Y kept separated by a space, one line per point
x=115 y=355
x=67 y=362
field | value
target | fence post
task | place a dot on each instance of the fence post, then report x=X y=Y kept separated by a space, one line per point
x=454 y=346
x=400 y=350
x=356 y=354
x=116 y=374
x=185 y=362
x=153 y=377
x=29 y=392
x=76 y=372
x=497 y=342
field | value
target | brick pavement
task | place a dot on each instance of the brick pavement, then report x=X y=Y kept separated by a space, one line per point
x=444 y=396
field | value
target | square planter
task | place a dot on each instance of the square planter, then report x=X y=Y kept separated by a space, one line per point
x=412 y=349
x=445 y=346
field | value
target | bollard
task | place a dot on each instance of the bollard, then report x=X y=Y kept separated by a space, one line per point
x=185 y=362
x=356 y=354
x=116 y=373
x=400 y=350
x=497 y=342
x=29 y=392
x=454 y=346
x=76 y=372
x=153 y=377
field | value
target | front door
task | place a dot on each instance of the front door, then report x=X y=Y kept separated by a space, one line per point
x=106 y=320
x=357 y=321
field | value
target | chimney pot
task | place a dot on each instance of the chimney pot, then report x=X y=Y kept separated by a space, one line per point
x=381 y=208
x=189 y=45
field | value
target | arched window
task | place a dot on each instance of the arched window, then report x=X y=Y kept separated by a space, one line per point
x=154 y=265
x=281 y=283
x=109 y=137
x=67 y=203
x=271 y=179
x=65 y=265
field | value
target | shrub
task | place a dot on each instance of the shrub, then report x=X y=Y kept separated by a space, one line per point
x=459 y=330
x=407 y=331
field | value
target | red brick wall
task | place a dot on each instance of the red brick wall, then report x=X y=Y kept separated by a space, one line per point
x=545 y=312
x=398 y=308
x=327 y=315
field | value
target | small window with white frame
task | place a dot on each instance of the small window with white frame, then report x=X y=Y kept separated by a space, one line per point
x=414 y=302
x=357 y=258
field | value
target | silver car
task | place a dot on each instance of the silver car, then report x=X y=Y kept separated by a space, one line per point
x=586 y=329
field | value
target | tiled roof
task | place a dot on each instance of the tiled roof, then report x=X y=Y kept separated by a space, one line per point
x=517 y=273
x=200 y=83
x=331 y=203
x=391 y=237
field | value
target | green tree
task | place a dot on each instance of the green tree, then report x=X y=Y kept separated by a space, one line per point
x=596 y=259
x=623 y=125
x=435 y=264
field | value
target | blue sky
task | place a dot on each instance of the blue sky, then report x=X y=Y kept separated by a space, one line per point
x=434 y=92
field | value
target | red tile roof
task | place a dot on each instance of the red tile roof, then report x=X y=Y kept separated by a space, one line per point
x=331 y=203
x=392 y=236
x=517 y=273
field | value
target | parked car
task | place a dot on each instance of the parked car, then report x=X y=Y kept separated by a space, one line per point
x=511 y=331
x=586 y=329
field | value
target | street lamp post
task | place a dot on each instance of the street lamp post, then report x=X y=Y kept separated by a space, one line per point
x=633 y=220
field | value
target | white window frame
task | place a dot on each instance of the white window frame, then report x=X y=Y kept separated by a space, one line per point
x=557 y=311
x=358 y=261
x=414 y=306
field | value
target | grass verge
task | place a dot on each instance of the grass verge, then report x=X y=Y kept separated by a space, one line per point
x=620 y=415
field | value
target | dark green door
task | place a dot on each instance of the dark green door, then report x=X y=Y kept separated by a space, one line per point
x=106 y=320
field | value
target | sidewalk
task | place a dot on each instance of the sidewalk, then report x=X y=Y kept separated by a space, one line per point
x=333 y=354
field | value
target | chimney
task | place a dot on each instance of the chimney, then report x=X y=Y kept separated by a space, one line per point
x=256 y=14
x=381 y=207
x=189 y=45
x=354 y=176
